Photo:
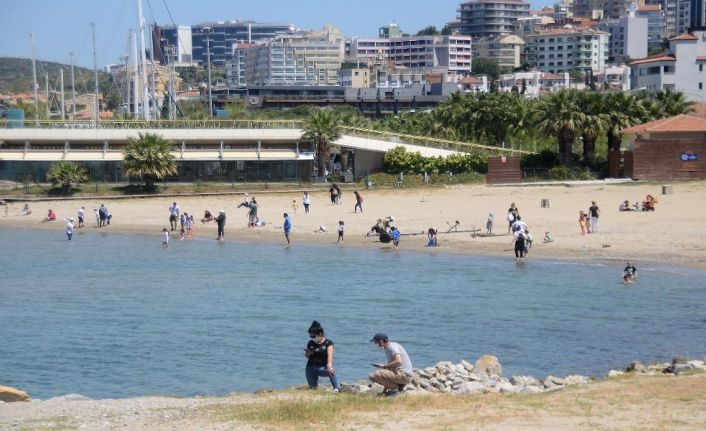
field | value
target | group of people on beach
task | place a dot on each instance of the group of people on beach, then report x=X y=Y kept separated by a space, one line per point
x=393 y=375
x=521 y=236
x=588 y=222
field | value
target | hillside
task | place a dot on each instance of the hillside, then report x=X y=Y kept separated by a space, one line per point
x=16 y=76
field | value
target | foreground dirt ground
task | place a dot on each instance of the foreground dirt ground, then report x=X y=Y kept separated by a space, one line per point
x=623 y=403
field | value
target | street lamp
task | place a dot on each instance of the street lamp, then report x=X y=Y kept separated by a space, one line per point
x=207 y=31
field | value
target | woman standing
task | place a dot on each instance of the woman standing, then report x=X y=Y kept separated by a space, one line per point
x=583 y=222
x=306 y=201
x=319 y=350
x=358 y=202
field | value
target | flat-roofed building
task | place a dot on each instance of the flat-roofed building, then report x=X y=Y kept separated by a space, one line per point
x=490 y=18
x=505 y=50
x=567 y=49
x=655 y=25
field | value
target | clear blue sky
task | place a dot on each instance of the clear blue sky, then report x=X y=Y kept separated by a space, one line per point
x=61 y=26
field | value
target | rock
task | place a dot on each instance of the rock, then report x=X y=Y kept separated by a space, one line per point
x=9 y=394
x=488 y=365
x=424 y=384
x=440 y=386
x=524 y=381
x=636 y=367
x=576 y=380
x=470 y=388
x=467 y=365
x=615 y=373
x=552 y=381
x=531 y=390
x=474 y=377
x=505 y=387
x=376 y=389
x=699 y=365
x=263 y=391
x=78 y=397
x=422 y=373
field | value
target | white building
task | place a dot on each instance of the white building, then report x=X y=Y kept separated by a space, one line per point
x=614 y=78
x=681 y=68
x=235 y=69
x=535 y=83
x=414 y=52
x=505 y=50
x=628 y=37
x=567 y=49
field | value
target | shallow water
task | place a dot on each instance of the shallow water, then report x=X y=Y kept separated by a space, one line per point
x=113 y=316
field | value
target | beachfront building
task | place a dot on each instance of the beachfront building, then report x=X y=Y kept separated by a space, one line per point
x=413 y=52
x=534 y=83
x=655 y=25
x=190 y=41
x=505 y=50
x=490 y=18
x=567 y=49
x=304 y=58
x=628 y=37
x=681 y=68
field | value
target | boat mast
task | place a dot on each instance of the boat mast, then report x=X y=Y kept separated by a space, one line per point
x=145 y=85
x=46 y=82
x=61 y=85
x=135 y=75
x=73 y=87
x=95 y=71
x=34 y=79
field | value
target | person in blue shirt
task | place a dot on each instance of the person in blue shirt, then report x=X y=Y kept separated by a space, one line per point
x=395 y=233
x=287 y=227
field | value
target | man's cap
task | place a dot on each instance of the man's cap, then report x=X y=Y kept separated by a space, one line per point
x=222 y=211
x=379 y=337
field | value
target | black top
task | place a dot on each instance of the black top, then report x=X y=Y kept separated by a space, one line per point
x=594 y=211
x=630 y=270
x=320 y=356
x=221 y=219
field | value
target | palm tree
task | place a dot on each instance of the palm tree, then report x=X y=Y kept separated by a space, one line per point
x=150 y=158
x=593 y=122
x=672 y=103
x=621 y=110
x=322 y=128
x=557 y=114
x=66 y=174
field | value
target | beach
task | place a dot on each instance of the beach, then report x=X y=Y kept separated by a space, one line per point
x=671 y=235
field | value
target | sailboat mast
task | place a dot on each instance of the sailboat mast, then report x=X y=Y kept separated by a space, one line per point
x=136 y=85
x=35 y=87
x=61 y=85
x=145 y=84
x=95 y=71
x=46 y=82
x=73 y=87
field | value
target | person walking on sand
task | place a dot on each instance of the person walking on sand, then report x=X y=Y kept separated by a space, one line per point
x=358 y=202
x=69 y=227
x=583 y=222
x=81 y=214
x=397 y=372
x=287 y=227
x=341 y=228
x=221 y=221
x=173 y=215
x=98 y=217
x=319 y=353
x=103 y=215
x=165 y=238
x=489 y=225
x=334 y=194
x=594 y=212
x=306 y=201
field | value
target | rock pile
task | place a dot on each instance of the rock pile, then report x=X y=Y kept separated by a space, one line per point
x=677 y=366
x=465 y=378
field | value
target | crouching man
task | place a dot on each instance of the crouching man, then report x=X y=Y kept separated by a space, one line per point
x=397 y=372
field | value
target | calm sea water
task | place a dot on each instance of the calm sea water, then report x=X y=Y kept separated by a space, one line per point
x=113 y=316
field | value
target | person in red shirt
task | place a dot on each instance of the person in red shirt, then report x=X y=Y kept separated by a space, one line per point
x=51 y=216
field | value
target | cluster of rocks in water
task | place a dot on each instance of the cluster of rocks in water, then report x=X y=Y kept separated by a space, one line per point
x=485 y=376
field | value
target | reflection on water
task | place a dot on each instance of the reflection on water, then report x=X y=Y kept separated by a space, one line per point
x=116 y=316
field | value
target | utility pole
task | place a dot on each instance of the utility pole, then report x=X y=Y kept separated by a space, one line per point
x=207 y=31
x=73 y=87
x=34 y=80
x=61 y=85
x=145 y=89
x=127 y=79
x=95 y=72
x=46 y=82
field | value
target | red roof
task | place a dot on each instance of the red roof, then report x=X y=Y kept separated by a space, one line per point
x=677 y=124
x=685 y=36
x=649 y=7
x=701 y=58
x=654 y=58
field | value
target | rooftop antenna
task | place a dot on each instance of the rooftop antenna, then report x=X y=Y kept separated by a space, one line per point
x=95 y=71
x=34 y=79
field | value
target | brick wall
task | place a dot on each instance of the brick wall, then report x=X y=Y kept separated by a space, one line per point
x=661 y=159
x=500 y=172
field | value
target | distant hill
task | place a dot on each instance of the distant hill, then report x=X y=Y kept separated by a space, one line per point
x=16 y=76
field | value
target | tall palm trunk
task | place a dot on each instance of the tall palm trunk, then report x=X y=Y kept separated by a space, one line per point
x=614 y=154
x=589 y=148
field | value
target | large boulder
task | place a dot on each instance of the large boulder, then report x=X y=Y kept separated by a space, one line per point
x=8 y=394
x=489 y=366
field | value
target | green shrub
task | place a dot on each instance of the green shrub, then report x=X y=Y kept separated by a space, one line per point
x=545 y=159
x=560 y=173
x=399 y=160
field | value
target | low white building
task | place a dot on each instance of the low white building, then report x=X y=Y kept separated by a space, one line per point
x=681 y=68
x=535 y=83
x=614 y=78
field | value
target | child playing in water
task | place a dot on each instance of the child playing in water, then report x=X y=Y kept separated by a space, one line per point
x=341 y=228
x=165 y=238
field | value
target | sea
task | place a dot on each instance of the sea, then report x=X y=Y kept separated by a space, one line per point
x=113 y=315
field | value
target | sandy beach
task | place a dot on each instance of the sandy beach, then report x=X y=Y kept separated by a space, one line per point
x=671 y=235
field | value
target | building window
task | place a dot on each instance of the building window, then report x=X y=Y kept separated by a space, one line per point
x=701 y=85
x=701 y=67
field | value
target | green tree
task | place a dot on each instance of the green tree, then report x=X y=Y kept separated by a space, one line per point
x=621 y=110
x=557 y=114
x=66 y=174
x=428 y=31
x=193 y=110
x=593 y=122
x=671 y=103
x=322 y=128
x=447 y=30
x=484 y=66
x=149 y=157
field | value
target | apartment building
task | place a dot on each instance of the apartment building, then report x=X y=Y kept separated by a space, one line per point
x=306 y=58
x=567 y=49
x=490 y=18
x=235 y=68
x=677 y=15
x=505 y=50
x=681 y=68
x=535 y=83
x=414 y=52
x=531 y=24
x=191 y=40
x=628 y=37
x=655 y=25
x=607 y=9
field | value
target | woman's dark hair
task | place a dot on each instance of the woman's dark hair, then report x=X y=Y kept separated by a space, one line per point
x=315 y=328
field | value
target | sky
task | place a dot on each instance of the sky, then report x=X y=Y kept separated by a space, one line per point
x=64 y=26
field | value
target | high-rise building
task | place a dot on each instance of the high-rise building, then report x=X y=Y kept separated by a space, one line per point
x=490 y=18
x=655 y=25
x=191 y=40
x=628 y=37
x=567 y=49
x=306 y=58
x=677 y=15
